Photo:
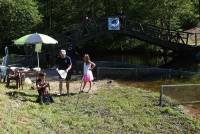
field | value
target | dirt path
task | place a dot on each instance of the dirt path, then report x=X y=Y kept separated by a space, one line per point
x=52 y=77
x=75 y=86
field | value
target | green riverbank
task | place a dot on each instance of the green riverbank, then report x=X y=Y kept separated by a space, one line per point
x=118 y=110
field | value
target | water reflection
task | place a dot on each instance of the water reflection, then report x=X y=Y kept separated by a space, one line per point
x=136 y=59
x=145 y=59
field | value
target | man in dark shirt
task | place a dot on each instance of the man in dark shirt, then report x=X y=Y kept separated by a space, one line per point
x=64 y=63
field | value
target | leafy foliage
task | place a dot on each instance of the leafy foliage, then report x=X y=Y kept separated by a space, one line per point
x=168 y=14
x=177 y=13
x=23 y=16
x=18 y=17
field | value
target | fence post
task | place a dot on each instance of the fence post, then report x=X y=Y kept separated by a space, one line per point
x=195 y=39
x=161 y=95
x=187 y=39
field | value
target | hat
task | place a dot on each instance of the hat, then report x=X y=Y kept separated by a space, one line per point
x=63 y=52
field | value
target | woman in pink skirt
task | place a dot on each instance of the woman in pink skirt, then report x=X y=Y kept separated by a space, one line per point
x=87 y=72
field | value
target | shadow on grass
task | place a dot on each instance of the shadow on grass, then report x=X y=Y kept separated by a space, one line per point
x=12 y=86
x=22 y=96
x=17 y=93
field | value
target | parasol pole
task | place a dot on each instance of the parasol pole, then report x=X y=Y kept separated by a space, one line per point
x=38 y=59
x=38 y=48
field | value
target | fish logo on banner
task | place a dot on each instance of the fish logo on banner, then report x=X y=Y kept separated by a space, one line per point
x=113 y=23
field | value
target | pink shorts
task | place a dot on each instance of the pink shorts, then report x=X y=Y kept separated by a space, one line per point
x=87 y=78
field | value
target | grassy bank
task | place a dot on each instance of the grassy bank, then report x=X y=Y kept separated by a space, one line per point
x=120 y=110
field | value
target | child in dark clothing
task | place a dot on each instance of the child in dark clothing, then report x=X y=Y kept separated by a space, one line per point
x=42 y=87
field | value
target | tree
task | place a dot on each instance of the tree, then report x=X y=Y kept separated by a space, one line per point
x=18 y=17
x=168 y=14
x=64 y=13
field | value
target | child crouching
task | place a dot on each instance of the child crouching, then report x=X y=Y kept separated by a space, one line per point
x=43 y=87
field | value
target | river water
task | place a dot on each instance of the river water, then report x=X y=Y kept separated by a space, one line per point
x=145 y=59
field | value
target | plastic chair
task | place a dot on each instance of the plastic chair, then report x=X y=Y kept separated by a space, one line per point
x=16 y=76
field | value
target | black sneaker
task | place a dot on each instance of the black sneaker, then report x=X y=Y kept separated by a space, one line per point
x=81 y=91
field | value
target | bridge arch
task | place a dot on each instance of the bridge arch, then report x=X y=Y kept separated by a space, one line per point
x=181 y=43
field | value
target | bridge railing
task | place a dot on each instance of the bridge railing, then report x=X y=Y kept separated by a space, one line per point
x=179 y=37
x=193 y=38
x=148 y=31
